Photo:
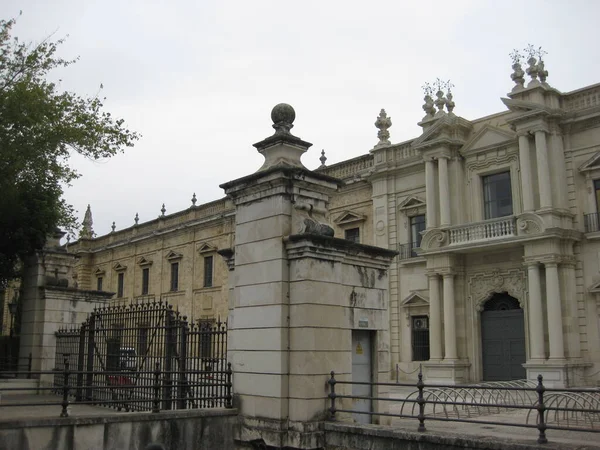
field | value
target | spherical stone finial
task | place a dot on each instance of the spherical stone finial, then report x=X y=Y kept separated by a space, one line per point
x=283 y=113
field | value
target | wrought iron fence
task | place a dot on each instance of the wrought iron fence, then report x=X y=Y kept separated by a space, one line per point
x=547 y=408
x=113 y=359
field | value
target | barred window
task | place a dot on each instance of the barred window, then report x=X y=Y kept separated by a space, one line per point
x=99 y=284
x=120 y=284
x=174 y=276
x=145 y=280
x=420 y=338
x=352 y=234
x=208 y=271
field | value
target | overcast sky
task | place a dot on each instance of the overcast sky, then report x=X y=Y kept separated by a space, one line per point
x=199 y=78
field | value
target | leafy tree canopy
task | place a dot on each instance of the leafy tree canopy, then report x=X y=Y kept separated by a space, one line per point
x=40 y=127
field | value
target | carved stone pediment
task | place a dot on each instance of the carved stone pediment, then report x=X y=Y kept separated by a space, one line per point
x=483 y=285
x=591 y=164
x=433 y=239
x=487 y=138
x=348 y=217
x=173 y=256
x=412 y=205
x=529 y=223
x=416 y=299
x=99 y=272
x=206 y=248
x=144 y=262
x=118 y=267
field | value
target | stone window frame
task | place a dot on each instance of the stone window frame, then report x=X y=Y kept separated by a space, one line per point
x=145 y=264
x=120 y=269
x=99 y=274
x=416 y=304
x=208 y=251
x=174 y=258
x=349 y=220
x=411 y=206
x=479 y=169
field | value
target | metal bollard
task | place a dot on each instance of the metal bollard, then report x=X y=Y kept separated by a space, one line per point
x=540 y=389
x=156 y=400
x=332 y=395
x=65 y=401
x=421 y=402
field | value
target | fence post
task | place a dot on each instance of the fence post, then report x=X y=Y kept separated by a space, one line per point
x=156 y=400
x=89 y=379
x=29 y=361
x=332 y=395
x=65 y=401
x=182 y=388
x=421 y=402
x=169 y=353
x=81 y=361
x=228 y=397
x=540 y=389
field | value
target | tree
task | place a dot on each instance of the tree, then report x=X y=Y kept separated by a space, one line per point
x=40 y=127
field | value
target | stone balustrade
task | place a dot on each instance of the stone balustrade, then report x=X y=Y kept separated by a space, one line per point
x=582 y=99
x=483 y=231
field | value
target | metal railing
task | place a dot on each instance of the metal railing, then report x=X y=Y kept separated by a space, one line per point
x=591 y=222
x=154 y=391
x=406 y=251
x=10 y=366
x=548 y=408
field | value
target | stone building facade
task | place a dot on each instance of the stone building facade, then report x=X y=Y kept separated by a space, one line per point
x=496 y=224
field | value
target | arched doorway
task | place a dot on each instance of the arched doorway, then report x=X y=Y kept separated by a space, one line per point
x=503 y=339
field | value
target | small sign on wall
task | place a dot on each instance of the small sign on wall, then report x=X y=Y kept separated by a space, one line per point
x=363 y=323
x=359 y=349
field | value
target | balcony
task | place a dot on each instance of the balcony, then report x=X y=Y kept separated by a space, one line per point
x=406 y=251
x=591 y=222
x=488 y=230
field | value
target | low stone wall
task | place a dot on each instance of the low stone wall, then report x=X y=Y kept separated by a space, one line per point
x=176 y=430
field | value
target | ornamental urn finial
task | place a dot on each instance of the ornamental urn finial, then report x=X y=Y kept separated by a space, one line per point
x=136 y=219
x=283 y=116
x=449 y=97
x=323 y=158
x=542 y=72
x=163 y=210
x=113 y=227
x=440 y=101
x=532 y=70
x=383 y=123
x=87 y=231
x=428 y=106
x=194 y=199
x=518 y=75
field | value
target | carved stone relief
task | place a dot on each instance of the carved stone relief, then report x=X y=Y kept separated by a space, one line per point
x=483 y=285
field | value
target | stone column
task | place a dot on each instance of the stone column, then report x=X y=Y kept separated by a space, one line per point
x=544 y=179
x=435 y=317
x=535 y=312
x=444 y=188
x=526 y=182
x=430 y=194
x=449 y=318
x=555 y=328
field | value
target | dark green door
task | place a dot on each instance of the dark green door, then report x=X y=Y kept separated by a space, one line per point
x=503 y=339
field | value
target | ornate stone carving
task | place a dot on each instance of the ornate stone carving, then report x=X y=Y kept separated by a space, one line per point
x=87 y=230
x=434 y=239
x=529 y=223
x=323 y=158
x=440 y=101
x=518 y=75
x=428 y=106
x=483 y=285
x=311 y=226
x=383 y=123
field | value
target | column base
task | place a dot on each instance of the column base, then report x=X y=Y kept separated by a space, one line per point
x=446 y=372
x=274 y=434
x=558 y=373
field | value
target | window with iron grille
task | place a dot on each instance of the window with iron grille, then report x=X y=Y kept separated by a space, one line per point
x=174 y=276
x=352 y=234
x=417 y=225
x=208 y=271
x=497 y=195
x=120 y=284
x=99 y=284
x=145 y=280
x=420 y=338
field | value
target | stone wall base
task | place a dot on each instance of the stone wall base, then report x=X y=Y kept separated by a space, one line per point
x=279 y=434
x=446 y=372
x=556 y=374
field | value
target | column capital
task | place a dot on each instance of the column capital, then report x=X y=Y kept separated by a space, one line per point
x=524 y=133
x=448 y=274
x=431 y=274
x=531 y=263
x=540 y=129
x=568 y=261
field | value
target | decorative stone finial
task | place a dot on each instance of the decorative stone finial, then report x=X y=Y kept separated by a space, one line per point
x=428 y=106
x=87 y=232
x=542 y=72
x=518 y=75
x=136 y=219
x=440 y=101
x=383 y=122
x=194 y=199
x=449 y=102
x=113 y=227
x=532 y=70
x=323 y=158
x=163 y=210
x=283 y=116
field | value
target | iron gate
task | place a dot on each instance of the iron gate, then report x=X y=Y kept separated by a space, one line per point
x=117 y=352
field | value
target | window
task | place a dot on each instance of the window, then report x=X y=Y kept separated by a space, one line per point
x=352 y=234
x=174 y=276
x=99 y=283
x=120 y=284
x=420 y=338
x=145 y=280
x=208 y=271
x=417 y=225
x=497 y=195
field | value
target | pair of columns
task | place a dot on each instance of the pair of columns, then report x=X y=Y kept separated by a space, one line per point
x=443 y=191
x=554 y=312
x=435 y=317
x=543 y=170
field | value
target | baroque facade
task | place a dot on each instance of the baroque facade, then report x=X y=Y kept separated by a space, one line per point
x=496 y=224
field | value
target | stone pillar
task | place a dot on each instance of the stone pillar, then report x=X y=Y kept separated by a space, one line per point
x=526 y=175
x=544 y=179
x=569 y=289
x=444 y=189
x=449 y=318
x=535 y=313
x=430 y=194
x=435 y=317
x=555 y=327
